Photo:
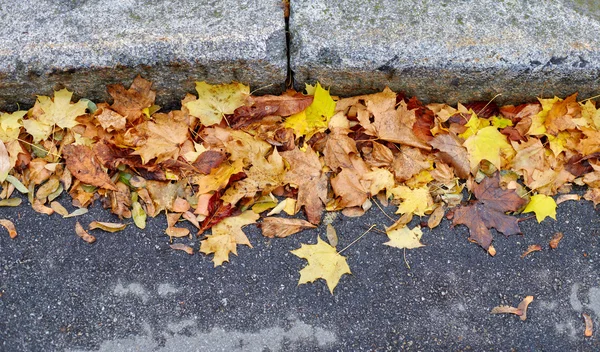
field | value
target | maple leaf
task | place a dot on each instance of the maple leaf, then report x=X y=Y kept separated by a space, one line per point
x=82 y=163
x=134 y=102
x=489 y=211
x=405 y=238
x=409 y=162
x=164 y=137
x=263 y=176
x=282 y=227
x=215 y=211
x=338 y=150
x=324 y=262
x=10 y=125
x=413 y=201
x=218 y=177
x=5 y=165
x=346 y=185
x=226 y=235
x=453 y=153
x=305 y=174
x=48 y=113
x=543 y=206
x=216 y=101
x=315 y=117
x=488 y=144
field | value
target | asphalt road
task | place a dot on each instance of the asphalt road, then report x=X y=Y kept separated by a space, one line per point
x=130 y=292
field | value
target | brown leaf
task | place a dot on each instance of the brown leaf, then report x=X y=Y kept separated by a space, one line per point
x=523 y=306
x=521 y=310
x=110 y=120
x=408 y=163
x=453 y=153
x=483 y=109
x=9 y=226
x=217 y=211
x=305 y=174
x=182 y=247
x=346 y=185
x=556 y=240
x=436 y=217
x=338 y=150
x=332 y=236
x=283 y=227
x=83 y=234
x=82 y=164
x=130 y=102
x=286 y=104
x=489 y=211
x=589 y=325
x=532 y=248
x=209 y=160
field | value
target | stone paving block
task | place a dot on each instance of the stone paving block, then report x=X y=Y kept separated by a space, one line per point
x=85 y=45
x=448 y=50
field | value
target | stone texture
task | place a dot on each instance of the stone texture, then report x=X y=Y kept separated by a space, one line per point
x=449 y=50
x=86 y=44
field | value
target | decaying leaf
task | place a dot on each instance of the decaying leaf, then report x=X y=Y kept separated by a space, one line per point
x=332 y=236
x=107 y=226
x=83 y=234
x=324 y=262
x=556 y=240
x=589 y=325
x=215 y=101
x=182 y=247
x=82 y=164
x=532 y=248
x=282 y=227
x=4 y=162
x=10 y=202
x=10 y=227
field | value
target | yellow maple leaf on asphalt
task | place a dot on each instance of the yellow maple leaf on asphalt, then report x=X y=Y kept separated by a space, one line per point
x=48 y=113
x=405 y=238
x=543 y=206
x=488 y=144
x=417 y=201
x=324 y=262
x=226 y=235
x=316 y=116
x=10 y=125
x=214 y=101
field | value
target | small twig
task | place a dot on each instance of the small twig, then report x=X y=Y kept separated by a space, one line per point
x=406 y=261
x=40 y=148
x=380 y=208
x=260 y=88
x=356 y=240
x=489 y=102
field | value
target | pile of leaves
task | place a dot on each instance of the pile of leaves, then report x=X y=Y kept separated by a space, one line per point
x=227 y=156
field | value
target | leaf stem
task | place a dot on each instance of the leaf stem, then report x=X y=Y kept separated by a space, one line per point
x=359 y=237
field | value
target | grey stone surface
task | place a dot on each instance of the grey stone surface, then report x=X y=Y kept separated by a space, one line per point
x=449 y=50
x=86 y=44
x=130 y=292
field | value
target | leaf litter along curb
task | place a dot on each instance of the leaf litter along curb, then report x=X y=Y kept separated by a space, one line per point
x=227 y=156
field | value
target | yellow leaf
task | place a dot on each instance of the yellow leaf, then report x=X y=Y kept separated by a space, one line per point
x=501 y=122
x=218 y=177
x=417 y=201
x=473 y=125
x=543 y=206
x=405 y=238
x=537 y=121
x=378 y=180
x=488 y=144
x=324 y=262
x=226 y=235
x=10 y=125
x=4 y=162
x=214 y=101
x=316 y=117
x=139 y=215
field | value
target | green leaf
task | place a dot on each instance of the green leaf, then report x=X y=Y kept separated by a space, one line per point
x=139 y=215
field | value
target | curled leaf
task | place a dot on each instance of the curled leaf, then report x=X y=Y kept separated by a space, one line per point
x=281 y=227
x=556 y=240
x=589 y=325
x=107 y=226
x=10 y=227
x=139 y=215
x=182 y=247
x=10 y=202
x=532 y=248
x=83 y=233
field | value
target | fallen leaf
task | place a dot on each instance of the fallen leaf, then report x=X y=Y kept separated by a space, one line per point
x=556 y=240
x=226 y=235
x=4 y=162
x=532 y=248
x=81 y=163
x=59 y=209
x=10 y=202
x=132 y=102
x=453 y=153
x=589 y=325
x=107 y=226
x=182 y=247
x=216 y=101
x=282 y=227
x=10 y=227
x=488 y=144
x=315 y=117
x=405 y=238
x=489 y=211
x=332 y=236
x=524 y=305
x=521 y=310
x=324 y=262
x=543 y=206
x=566 y=197
x=139 y=215
x=83 y=234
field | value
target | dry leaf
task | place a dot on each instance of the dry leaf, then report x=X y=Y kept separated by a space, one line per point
x=81 y=163
x=405 y=238
x=332 y=236
x=282 y=227
x=565 y=197
x=556 y=240
x=589 y=325
x=10 y=227
x=107 y=226
x=182 y=247
x=532 y=248
x=226 y=235
x=521 y=310
x=59 y=209
x=524 y=305
x=83 y=234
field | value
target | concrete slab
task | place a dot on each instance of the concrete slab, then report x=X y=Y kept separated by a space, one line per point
x=130 y=292
x=448 y=50
x=85 y=45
